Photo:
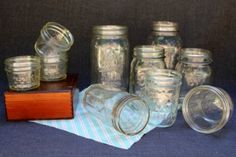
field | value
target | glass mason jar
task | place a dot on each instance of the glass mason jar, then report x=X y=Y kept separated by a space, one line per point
x=52 y=46
x=194 y=66
x=110 y=56
x=161 y=92
x=207 y=109
x=165 y=34
x=146 y=57
x=127 y=113
x=23 y=72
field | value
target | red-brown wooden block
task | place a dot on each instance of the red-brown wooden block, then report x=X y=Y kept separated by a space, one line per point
x=52 y=100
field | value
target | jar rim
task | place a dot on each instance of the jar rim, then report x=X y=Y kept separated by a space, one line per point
x=163 y=75
x=225 y=101
x=61 y=30
x=149 y=51
x=117 y=112
x=190 y=53
x=108 y=30
x=165 y=26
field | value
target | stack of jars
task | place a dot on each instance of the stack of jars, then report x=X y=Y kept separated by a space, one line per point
x=49 y=64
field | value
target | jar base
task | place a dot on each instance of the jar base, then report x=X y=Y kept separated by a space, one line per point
x=53 y=80
x=24 y=89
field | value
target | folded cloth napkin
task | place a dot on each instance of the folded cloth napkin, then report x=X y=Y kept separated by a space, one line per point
x=86 y=125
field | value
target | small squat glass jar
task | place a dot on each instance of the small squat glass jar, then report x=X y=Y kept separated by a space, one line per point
x=207 y=109
x=194 y=65
x=127 y=113
x=161 y=92
x=165 y=34
x=146 y=57
x=52 y=46
x=110 y=56
x=23 y=72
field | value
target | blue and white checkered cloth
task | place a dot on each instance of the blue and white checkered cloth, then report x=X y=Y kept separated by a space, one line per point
x=88 y=126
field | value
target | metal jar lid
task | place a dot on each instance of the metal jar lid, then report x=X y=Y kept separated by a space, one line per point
x=149 y=51
x=207 y=109
x=165 y=26
x=110 y=30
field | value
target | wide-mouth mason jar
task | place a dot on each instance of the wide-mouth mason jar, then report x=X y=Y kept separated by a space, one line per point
x=110 y=56
x=161 y=92
x=165 y=34
x=23 y=72
x=194 y=65
x=207 y=109
x=52 y=46
x=126 y=113
x=145 y=58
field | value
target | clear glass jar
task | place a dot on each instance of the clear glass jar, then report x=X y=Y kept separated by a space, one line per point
x=127 y=113
x=165 y=34
x=194 y=66
x=207 y=109
x=146 y=57
x=161 y=92
x=110 y=56
x=23 y=72
x=52 y=46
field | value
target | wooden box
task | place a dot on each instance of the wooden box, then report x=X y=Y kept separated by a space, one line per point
x=52 y=100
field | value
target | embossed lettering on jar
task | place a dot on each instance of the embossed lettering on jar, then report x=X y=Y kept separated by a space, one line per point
x=165 y=34
x=52 y=47
x=110 y=56
x=146 y=57
x=194 y=64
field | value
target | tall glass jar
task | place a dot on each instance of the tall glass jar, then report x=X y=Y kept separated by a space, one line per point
x=52 y=46
x=110 y=56
x=161 y=92
x=146 y=57
x=194 y=64
x=23 y=72
x=165 y=34
x=127 y=113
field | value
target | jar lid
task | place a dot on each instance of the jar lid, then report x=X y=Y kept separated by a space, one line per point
x=207 y=109
x=195 y=55
x=110 y=30
x=149 y=51
x=165 y=26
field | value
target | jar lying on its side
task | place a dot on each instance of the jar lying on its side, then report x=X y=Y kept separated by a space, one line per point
x=207 y=109
x=127 y=113
x=23 y=72
x=161 y=92
x=194 y=65
x=146 y=57
x=52 y=46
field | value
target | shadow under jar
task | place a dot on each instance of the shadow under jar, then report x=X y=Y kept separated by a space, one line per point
x=194 y=65
x=146 y=57
x=165 y=34
x=52 y=46
x=23 y=72
x=161 y=92
x=110 y=56
x=127 y=113
x=207 y=109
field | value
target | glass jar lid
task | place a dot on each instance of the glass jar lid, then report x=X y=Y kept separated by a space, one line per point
x=110 y=30
x=195 y=55
x=149 y=51
x=207 y=109
x=165 y=26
